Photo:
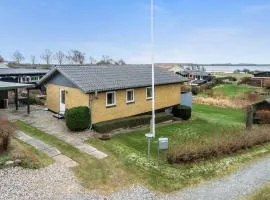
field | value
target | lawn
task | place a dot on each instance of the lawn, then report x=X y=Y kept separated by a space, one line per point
x=229 y=90
x=30 y=157
x=262 y=194
x=131 y=150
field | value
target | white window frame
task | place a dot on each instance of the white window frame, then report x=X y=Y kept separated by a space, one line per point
x=133 y=100
x=148 y=98
x=114 y=94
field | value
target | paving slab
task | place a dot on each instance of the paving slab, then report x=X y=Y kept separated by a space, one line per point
x=64 y=160
x=22 y=136
x=51 y=152
x=38 y=144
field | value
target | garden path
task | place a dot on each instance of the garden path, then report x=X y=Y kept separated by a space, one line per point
x=44 y=121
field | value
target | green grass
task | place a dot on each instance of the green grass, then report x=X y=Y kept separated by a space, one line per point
x=31 y=158
x=131 y=150
x=104 y=175
x=223 y=116
x=229 y=90
x=262 y=194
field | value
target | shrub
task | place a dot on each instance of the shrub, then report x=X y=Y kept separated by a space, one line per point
x=78 y=119
x=129 y=122
x=195 y=90
x=264 y=116
x=244 y=80
x=6 y=131
x=229 y=141
x=183 y=112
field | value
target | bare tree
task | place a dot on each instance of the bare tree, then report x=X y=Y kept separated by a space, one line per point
x=76 y=57
x=106 y=60
x=92 y=60
x=2 y=59
x=33 y=59
x=47 y=56
x=60 y=57
x=18 y=56
x=120 y=62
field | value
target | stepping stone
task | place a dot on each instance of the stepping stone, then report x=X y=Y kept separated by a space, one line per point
x=64 y=160
x=51 y=152
x=86 y=148
x=99 y=154
x=38 y=144
x=22 y=136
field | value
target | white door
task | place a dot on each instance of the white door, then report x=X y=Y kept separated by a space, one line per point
x=62 y=101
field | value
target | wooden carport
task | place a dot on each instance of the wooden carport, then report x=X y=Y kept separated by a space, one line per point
x=6 y=86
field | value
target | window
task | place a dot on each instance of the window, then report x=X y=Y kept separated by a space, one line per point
x=130 y=96
x=149 y=93
x=110 y=98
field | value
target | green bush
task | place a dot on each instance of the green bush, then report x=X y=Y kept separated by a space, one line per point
x=78 y=119
x=195 y=90
x=183 y=112
x=129 y=122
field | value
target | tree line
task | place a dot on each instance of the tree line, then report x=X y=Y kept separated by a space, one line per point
x=73 y=56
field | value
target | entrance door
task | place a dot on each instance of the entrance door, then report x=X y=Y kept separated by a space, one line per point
x=62 y=101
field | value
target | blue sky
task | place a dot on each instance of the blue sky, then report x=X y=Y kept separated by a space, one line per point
x=202 y=31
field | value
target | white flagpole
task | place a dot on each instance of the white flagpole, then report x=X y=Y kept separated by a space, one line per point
x=153 y=66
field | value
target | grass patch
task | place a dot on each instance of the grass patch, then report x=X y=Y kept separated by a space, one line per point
x=262 y=194
x=131 y=150
x=105 y=175
x=229 y=90
x=31 y=158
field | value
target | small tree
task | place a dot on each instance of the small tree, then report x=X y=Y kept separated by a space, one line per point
x=2 y=59
x=6 y=131
x=33 y=59
x=18 y=57
x=60 y=57
x=76 y=57
x=92 y=60
x=120 y=62
x=47 y=56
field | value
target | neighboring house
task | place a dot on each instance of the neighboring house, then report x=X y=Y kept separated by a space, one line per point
x=260 y=106
x=194 y=75
x=262 y=74
x=111 y=92
x=261 y=79
x=21 y=75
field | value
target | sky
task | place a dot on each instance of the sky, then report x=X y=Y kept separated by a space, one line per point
x=198 y=31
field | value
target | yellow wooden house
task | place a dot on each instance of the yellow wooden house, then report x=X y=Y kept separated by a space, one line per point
x=111 y=92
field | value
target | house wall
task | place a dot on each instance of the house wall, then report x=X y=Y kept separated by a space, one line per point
x=74 y=97
x=166 y=96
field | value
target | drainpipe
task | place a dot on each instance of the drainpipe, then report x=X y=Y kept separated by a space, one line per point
x=91 y=99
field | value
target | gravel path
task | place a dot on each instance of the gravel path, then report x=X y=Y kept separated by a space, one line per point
x=58 y=182
x=53 y=182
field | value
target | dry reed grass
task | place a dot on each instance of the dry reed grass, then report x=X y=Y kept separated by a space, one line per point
x=229 y=141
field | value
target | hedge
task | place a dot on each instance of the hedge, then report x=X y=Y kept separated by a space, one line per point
x=181 y=111
x=129 y=122
x=78 y=118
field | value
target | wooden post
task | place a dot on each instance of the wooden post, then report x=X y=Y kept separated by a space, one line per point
x=249 y=119
x=16 y=98
x=28 y=101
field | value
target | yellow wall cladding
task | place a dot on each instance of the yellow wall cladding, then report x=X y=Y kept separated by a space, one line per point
x=166 y=96
x=74 y=97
